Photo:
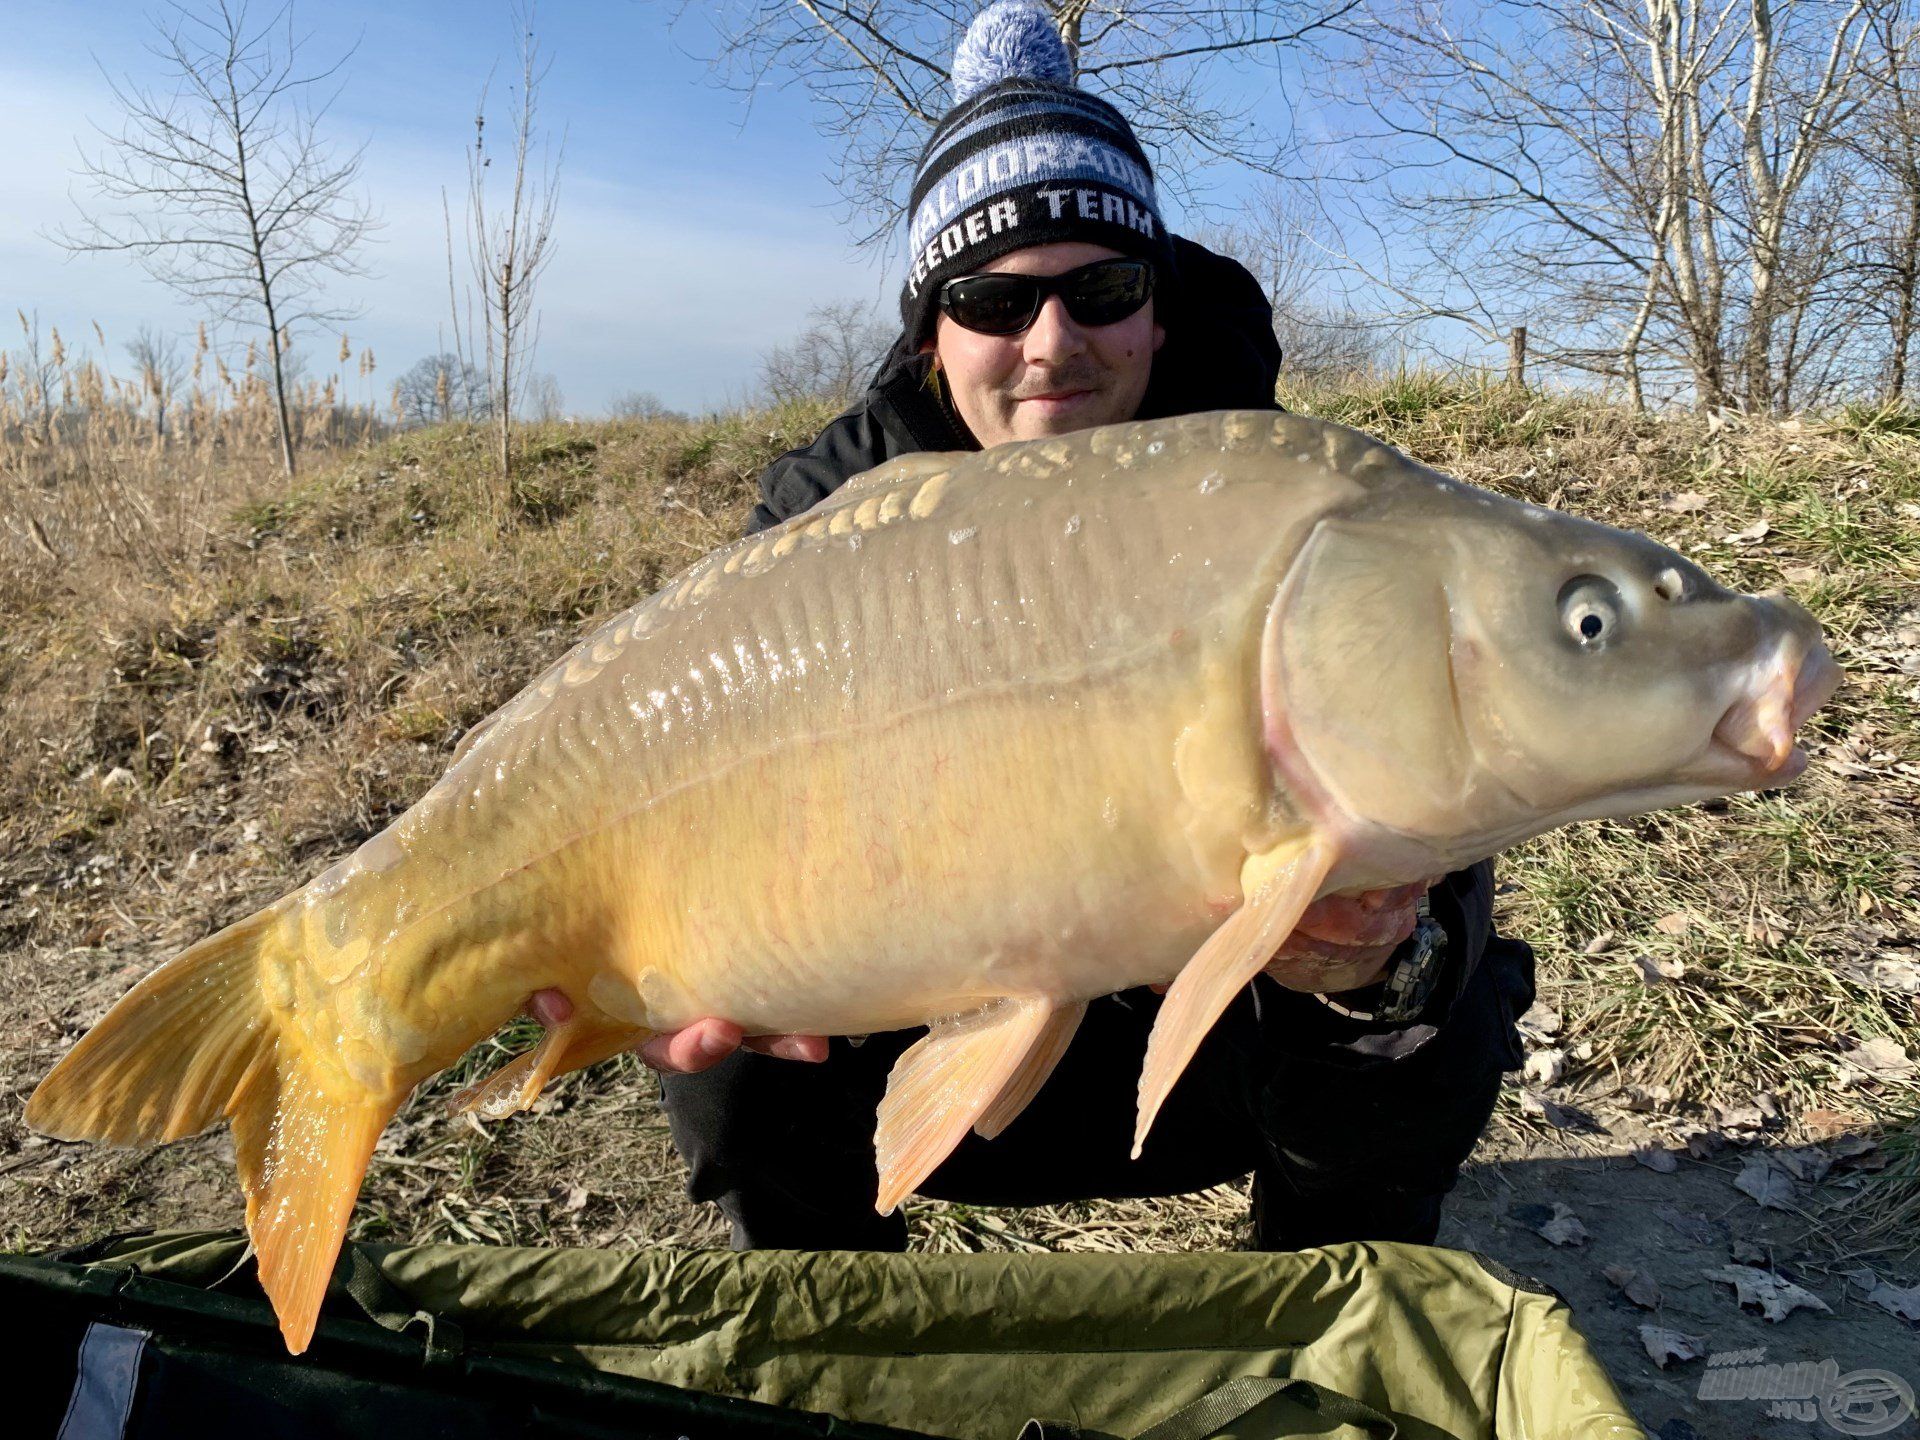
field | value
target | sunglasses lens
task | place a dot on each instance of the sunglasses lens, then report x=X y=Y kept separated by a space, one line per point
x=1097 y=294
x=1109 y=291
x=992 y=304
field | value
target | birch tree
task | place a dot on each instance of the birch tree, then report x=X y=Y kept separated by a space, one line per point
x=1888 y=143
x=221 y=182
x=1631 y=179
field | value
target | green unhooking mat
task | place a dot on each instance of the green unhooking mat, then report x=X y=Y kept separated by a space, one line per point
x=167 y=1335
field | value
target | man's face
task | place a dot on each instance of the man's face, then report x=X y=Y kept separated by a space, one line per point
x=1054 y=376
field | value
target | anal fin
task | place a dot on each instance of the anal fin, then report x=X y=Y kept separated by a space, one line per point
x=945 y=1082
x=1278 y=886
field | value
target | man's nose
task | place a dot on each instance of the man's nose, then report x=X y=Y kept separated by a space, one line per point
x=1053 y=335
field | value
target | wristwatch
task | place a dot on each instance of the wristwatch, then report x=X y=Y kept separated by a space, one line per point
x=1409 y=981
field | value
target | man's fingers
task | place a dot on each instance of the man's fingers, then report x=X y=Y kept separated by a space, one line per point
x=705 y=1043
x=810 y=1048
x=550 y=1007
x=700 y=1046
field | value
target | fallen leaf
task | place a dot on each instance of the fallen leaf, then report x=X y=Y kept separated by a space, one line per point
x=1828 y=1124
x=1893 y=974
x=1654 y=969
x=1903 y=1303
x=1637 y=1285
x=1665 y=1347
x=1800 y=574
x=1645 y=1097
x=1857 y=1152
x=1756 y=531
x=1541 y=1021
x=1762 y=1289
x=1880 y=1058
x=577 y=1197
x=1704 y=1144
x=1657 y=1159
x=1598 y=945
x=1767 y=1181
x=1564 y=1228
x=1749 y=1117
x=1685 y=503
x=1676 y=922
x=1808 y=1164
x=1545 y=1067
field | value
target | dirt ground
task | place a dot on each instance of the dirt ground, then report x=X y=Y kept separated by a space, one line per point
x=1676 y=1228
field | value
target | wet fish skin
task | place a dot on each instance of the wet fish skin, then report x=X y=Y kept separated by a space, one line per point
x=979 y=738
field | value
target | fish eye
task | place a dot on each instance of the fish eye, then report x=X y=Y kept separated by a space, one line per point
x=1590 y=610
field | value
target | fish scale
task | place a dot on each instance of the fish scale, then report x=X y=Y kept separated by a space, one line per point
x=978 y=739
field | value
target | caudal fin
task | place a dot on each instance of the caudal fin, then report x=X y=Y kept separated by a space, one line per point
x=195 y=1043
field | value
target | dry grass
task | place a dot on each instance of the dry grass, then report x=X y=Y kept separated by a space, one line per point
x=187 y=740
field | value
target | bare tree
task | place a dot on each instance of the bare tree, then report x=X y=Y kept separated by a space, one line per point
x=640 y=405
x=543 y=402
x=1281 y=237
x=511 y=244
x=222 y=185
x=442 y=388
x=1888 y=250
x=877 y=70
x=1630 y=179
x=159 y=368
x=1793 y=115
x=832 y=359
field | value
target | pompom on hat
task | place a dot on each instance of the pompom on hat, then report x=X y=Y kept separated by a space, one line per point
x=1012 y=39
x=1025 y=157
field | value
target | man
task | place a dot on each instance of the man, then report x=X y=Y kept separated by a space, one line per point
x=1045 y=296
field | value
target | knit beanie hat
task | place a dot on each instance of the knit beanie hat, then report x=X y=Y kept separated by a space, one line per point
x=1025 y=157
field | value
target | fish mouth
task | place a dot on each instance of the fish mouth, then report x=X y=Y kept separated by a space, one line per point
x=1757 y=731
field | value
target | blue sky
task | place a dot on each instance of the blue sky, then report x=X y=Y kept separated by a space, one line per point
x=693 y=232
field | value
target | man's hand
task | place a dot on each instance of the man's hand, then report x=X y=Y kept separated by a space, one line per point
x=699 y=1046
x=1344 y=941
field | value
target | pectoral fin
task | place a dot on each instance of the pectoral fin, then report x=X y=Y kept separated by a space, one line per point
x=1278 y=886
x=944 y=1083
x=1033 y=1072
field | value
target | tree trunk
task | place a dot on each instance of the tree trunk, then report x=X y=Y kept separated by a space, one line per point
x=280 y=392
x=1907 y=272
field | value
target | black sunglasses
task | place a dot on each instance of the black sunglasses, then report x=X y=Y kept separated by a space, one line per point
x=1102 y=293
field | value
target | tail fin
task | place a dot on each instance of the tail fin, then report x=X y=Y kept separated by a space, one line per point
x=195 y=1042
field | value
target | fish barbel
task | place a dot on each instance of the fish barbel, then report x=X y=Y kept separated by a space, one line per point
x=977 y=739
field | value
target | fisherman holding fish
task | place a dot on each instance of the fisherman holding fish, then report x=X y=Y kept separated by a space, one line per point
x=1045 y=296
x=996 y=744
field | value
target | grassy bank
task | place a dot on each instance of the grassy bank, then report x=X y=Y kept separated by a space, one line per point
x=199 y=725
